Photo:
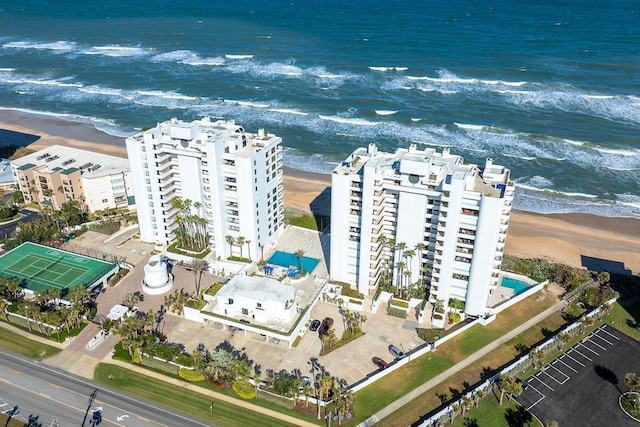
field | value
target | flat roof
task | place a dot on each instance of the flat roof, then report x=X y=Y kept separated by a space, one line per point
x=257 y=288
x=90 y=163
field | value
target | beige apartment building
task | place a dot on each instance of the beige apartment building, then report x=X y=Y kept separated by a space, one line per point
x=57 y=174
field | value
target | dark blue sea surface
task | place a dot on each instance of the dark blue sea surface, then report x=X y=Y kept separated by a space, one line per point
x=550 y=89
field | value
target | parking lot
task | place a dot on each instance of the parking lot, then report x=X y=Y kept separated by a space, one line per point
x=350 y=363
x=581 y=387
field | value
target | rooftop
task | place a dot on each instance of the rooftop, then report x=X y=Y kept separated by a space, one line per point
x=67 y=160
x=257 y=288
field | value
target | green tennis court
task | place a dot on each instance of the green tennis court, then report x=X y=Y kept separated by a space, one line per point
x=40 y=267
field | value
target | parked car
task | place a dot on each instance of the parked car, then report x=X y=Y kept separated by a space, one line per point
x=327 y=322
x=314 y=325
x=379 y=362
x=396 y=352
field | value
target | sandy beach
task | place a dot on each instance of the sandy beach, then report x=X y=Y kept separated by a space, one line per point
x=584 y=240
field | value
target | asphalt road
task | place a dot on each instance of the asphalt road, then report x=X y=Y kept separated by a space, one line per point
x=40 y=392
x=6 y=230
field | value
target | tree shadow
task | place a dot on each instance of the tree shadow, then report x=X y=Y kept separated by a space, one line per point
x=442 y=397
x=547 y=333
x=607 y=375
x=487 y=372
x=455 y=393
x=518 y=417
x=470 y=422
x=522 y=349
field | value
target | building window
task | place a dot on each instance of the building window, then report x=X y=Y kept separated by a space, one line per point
x=230 y=301
x=259 y=305
x=105 y=200
x=245 y=311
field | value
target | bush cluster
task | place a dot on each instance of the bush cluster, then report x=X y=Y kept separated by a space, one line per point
x=397 y=312
x=244 y=388
x=190 y=375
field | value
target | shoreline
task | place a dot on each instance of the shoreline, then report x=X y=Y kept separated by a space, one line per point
x=571 y=238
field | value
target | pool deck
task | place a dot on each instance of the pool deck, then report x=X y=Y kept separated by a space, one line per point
x=314 y=244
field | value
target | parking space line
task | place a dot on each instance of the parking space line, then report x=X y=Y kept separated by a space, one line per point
x=537 y=401
x=608 y=333
x=560 y=360
x=592 y=351
x=569 y=356
x=603 y=339
x=586 y=357
x=542 y=382
x=566 y=376
x=595 y=343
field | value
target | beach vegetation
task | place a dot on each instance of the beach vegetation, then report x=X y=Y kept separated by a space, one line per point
x=311 y=221
x=567 y=277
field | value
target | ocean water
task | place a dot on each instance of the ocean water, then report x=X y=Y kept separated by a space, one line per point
x=550 y=89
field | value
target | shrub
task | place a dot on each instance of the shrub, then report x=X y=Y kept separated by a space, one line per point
x=355 y=301
x=456 y=303
x=184 y=360
x=190 y=375
x=296 y=341
x=454 y=317
x=431 y=335
x=378 y=293
x=399 y=303
x=213 y=289
x=397 y=312
x=244 y=388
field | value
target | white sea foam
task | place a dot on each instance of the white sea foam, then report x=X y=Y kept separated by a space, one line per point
x=238 y=56
x=7 y=70
x=288 y=111
x=469 y=127
x=59 y=46
x=99 y=90
x=351 y=121
x=116 y=51
x=386 y=112
x=252 y=104
x=415 y=119
x=188 y=57
x=388 y=68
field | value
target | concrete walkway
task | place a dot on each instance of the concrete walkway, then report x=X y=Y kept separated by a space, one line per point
x=388 y=410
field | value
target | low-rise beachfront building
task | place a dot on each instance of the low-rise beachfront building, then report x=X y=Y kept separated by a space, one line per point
x=420 y=217
x=57 y=174
x=232 y=178
x=256 y=299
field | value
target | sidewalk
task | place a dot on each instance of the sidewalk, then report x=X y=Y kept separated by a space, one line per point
x=388 y=410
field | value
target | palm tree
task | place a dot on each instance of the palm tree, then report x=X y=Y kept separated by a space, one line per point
x=467 y=403
x=508 y=384
x=230 y=240
x=563 y=338
x=326 y=383
x=240 y=241
x=399 y=280
x=632 y=381
x=248 y=242
x=538 y=357
x=300 y=254
x=198 y=266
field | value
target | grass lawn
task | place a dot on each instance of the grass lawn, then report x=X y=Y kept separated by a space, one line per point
x=386 y=390
x=18 y=344
x=183 y=400
x=491 y=414
x=13 y=423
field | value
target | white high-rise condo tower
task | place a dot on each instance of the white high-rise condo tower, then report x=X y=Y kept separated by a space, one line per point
x=420 y=218
x=232 y=179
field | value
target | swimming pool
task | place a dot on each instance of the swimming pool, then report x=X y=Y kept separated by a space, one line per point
x=285 y=259
x=517 y=286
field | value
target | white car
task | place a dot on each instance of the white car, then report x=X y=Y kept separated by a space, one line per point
x=396 y=352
